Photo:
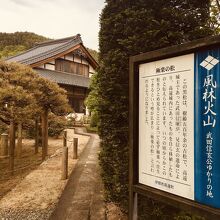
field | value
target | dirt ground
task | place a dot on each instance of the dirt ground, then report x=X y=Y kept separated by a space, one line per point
x=35 y=188
x=33 y=192
x=28 y=162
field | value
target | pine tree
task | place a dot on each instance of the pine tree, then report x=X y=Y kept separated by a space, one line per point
x=129 y=28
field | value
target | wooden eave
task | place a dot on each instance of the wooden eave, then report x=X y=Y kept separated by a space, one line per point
x=92 y=61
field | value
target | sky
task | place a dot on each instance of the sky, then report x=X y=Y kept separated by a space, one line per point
x=53 y=18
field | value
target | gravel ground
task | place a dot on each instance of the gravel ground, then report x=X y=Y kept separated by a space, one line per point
x=35 y=197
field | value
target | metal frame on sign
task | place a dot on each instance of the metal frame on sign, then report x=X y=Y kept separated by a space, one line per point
x=135 y=187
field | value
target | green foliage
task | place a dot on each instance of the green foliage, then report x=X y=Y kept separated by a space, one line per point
x=14 y=43
x=92 y=101
x=214 y=21
x=27 y=94
x=94 y=119
x=129 y=28
x=56 y=124
x=94 y=54
x=91 y=129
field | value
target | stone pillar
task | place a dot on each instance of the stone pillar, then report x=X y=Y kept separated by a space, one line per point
x=4 y=145
x=87 y=112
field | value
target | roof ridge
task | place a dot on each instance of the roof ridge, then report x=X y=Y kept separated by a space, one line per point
x=19 y=54
x=48 y=42
x=52 y=50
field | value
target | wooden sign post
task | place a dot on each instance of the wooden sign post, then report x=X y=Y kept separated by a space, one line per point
x=174 y=96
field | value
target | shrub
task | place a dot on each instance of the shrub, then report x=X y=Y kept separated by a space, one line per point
x=94 y=119
x=56 y=124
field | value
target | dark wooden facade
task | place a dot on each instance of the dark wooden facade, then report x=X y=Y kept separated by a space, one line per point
x=76 y=96
x=72 y=67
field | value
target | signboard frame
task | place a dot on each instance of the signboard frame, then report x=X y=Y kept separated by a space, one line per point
x=135 y=187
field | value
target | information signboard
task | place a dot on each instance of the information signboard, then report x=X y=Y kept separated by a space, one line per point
x=178 y=123
x=175 y=126
x=166 y=125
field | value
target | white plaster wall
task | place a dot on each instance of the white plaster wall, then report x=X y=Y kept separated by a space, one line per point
x=91 y=70
x=77 y=59
x=69 y=57
x=49 y=67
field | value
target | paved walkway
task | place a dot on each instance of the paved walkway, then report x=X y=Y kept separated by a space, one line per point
x=82 y=198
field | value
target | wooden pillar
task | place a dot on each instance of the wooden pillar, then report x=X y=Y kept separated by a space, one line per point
x=44 y=134
x=11 y=146
x=65 y=139
x=19 y=143
x=64 y=165
x=75 y=148
x=64 y=168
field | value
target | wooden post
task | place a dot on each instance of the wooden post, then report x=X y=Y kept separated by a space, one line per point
x=4 y=145
x=64 y=166
x=65 y=139
x=36 y=136
x=44 y=134
x=19 y=143
x=135 y=208
x=75 y=148
x=11 y=146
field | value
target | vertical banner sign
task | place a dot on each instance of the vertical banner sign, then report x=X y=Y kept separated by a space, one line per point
x=207 y=124
x=179 y=126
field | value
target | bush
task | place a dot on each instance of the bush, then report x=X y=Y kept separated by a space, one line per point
x=91 y=129
x=56 y=124
x=94 y=119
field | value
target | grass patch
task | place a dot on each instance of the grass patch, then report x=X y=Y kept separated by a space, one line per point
x=91 y=129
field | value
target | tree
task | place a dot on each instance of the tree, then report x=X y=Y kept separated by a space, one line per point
x=28 y=95
x=129 y=28
x=14 y=43
x=214 y=21
x=92 y=101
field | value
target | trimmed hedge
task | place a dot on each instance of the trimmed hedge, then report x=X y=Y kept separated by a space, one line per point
x=129 y=28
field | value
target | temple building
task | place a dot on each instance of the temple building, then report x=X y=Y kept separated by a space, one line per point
x=64 y=61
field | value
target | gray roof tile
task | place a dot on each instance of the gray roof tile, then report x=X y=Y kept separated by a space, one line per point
x=64 y=78
x=46 y=50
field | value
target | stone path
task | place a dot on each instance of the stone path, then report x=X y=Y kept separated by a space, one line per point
x=82 y=198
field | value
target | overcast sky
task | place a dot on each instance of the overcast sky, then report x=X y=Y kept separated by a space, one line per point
x=53 y=18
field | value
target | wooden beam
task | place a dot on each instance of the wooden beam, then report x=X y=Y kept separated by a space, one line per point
x=94 y=64
x=54 y=57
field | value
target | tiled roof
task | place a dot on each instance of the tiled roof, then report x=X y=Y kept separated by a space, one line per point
x=46 y=50
x=64 y=78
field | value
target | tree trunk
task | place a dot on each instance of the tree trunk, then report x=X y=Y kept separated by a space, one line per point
x=11 y=146
x=44 y=134
x=36 y=136
x=19 y=143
